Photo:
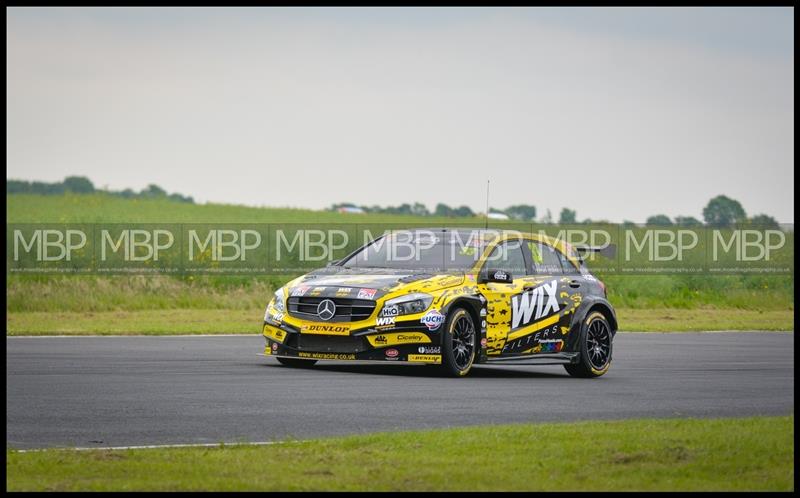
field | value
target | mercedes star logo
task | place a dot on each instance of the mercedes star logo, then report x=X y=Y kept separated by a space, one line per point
x=326 y=309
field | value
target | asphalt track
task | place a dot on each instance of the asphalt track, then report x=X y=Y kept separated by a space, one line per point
x=120 y=391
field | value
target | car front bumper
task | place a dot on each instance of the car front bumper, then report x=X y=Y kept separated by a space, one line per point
x=403 y=345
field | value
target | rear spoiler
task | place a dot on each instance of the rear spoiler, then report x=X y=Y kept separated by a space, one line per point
x=609 y=251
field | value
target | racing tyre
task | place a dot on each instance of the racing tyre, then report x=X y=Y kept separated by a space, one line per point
x=295 y=362
x=458 y=343
x=595 y=348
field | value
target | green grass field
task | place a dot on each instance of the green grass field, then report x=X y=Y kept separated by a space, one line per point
x=154 y=304
x=746 y=454
x=102 y=208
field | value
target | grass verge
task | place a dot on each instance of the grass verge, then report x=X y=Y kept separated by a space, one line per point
x=672 y=454
x=236 y=321
x=687 y=320
x=144 y=322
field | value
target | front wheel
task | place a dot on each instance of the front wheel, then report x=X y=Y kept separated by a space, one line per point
x=458 y=343
x=595 y=348
x=295 y=362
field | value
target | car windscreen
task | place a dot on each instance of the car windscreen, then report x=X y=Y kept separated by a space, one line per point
x=421 y=250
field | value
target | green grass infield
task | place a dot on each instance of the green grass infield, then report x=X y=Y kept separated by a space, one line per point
x=651 y=454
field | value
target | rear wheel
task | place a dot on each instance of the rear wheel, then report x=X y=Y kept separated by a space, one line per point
x=595 y=348
x=295 y=362
x=458 y=343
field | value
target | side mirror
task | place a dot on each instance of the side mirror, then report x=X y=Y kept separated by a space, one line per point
x=495 y=276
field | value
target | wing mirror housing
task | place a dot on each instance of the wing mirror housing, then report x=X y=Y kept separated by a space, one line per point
x=497 y=276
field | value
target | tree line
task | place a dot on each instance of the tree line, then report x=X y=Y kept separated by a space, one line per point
x=721 y=211
x=82 y=185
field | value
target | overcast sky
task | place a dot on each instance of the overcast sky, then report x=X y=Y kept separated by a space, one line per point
x=617 y=113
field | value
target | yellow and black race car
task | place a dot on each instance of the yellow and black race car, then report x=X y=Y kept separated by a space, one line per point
x=449 y=297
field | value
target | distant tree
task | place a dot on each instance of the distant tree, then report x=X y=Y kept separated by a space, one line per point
x=78 y=185
x=463 y=212
x=82 y=185
x=404 y=208
x=628 y=224
x=659 y=220
x=443 y=210
x=522 y=212
x=419 y=209
x=566 y=216
x=17 y=187
x=154 y=190
x=180 y=198
x=722 y=211
x=763 y=221
x=688 y=221
x=47 y=188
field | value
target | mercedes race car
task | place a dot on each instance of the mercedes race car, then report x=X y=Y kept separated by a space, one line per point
x=448 y=297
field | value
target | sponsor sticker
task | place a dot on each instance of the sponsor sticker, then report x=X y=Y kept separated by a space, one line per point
x=430 y=350
x=432 y=319
x=392 y=353
x=325 y=329
x=274 y=333
x=327 y=356
x=425 y=358
x=317 y=291
x=343 y=291
x=551 y=345
x=300 y=290
x=385 y=321
x=366 y=293
x=529 y=306
x=396 y=338
x=392 y=310
x=275 y=317
x=501 y=275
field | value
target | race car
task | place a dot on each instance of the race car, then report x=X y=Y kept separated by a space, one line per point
x=451 y=298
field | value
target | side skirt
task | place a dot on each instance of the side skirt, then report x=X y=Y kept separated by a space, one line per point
x=537 y=359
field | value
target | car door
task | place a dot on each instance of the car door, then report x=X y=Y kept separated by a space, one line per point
x=512 y=257
x=538 y=310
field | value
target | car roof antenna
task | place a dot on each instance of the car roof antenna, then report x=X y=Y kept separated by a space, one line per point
x=487 y=205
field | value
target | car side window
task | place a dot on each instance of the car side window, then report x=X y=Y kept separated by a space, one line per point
x=507 y=256
x=544 y=259
x=569 y=267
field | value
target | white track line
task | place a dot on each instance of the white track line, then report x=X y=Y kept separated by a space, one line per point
x=157 y=446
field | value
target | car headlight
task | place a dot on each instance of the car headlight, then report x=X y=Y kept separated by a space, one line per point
x=407 y=305
x=277 y=303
